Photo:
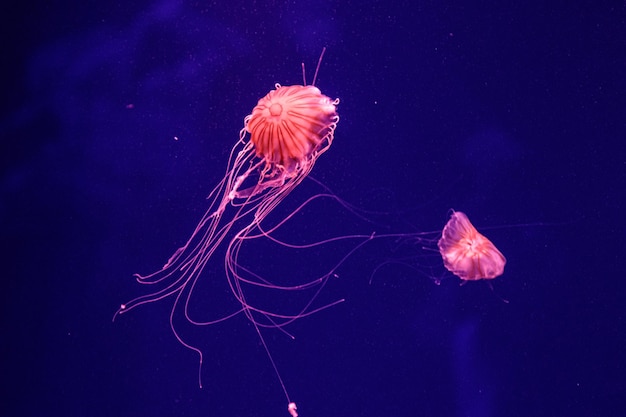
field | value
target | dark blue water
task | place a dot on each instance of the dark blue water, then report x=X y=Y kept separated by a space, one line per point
x=512 y=112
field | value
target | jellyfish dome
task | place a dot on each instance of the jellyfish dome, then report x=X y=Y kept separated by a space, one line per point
x=467 y=253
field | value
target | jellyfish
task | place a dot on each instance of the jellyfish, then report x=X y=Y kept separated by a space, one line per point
x=467 y=253
x=287 y=131
x=464 y=251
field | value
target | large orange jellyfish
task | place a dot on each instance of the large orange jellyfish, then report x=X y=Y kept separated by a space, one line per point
x=278 y=146
x=467 y=253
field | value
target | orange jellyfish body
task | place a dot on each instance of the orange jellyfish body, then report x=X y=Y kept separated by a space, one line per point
x=467 y=253
x=289 y=123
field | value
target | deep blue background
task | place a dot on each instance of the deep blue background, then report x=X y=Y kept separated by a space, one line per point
x=513 y=112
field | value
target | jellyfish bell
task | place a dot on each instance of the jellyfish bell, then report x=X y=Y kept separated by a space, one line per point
x=290 y=123
x=289 y=129
x=467 y=253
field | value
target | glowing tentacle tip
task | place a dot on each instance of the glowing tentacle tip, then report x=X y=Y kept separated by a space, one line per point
x=292 y=409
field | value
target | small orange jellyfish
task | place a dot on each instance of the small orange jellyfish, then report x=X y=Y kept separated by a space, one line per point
x=467 y=253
